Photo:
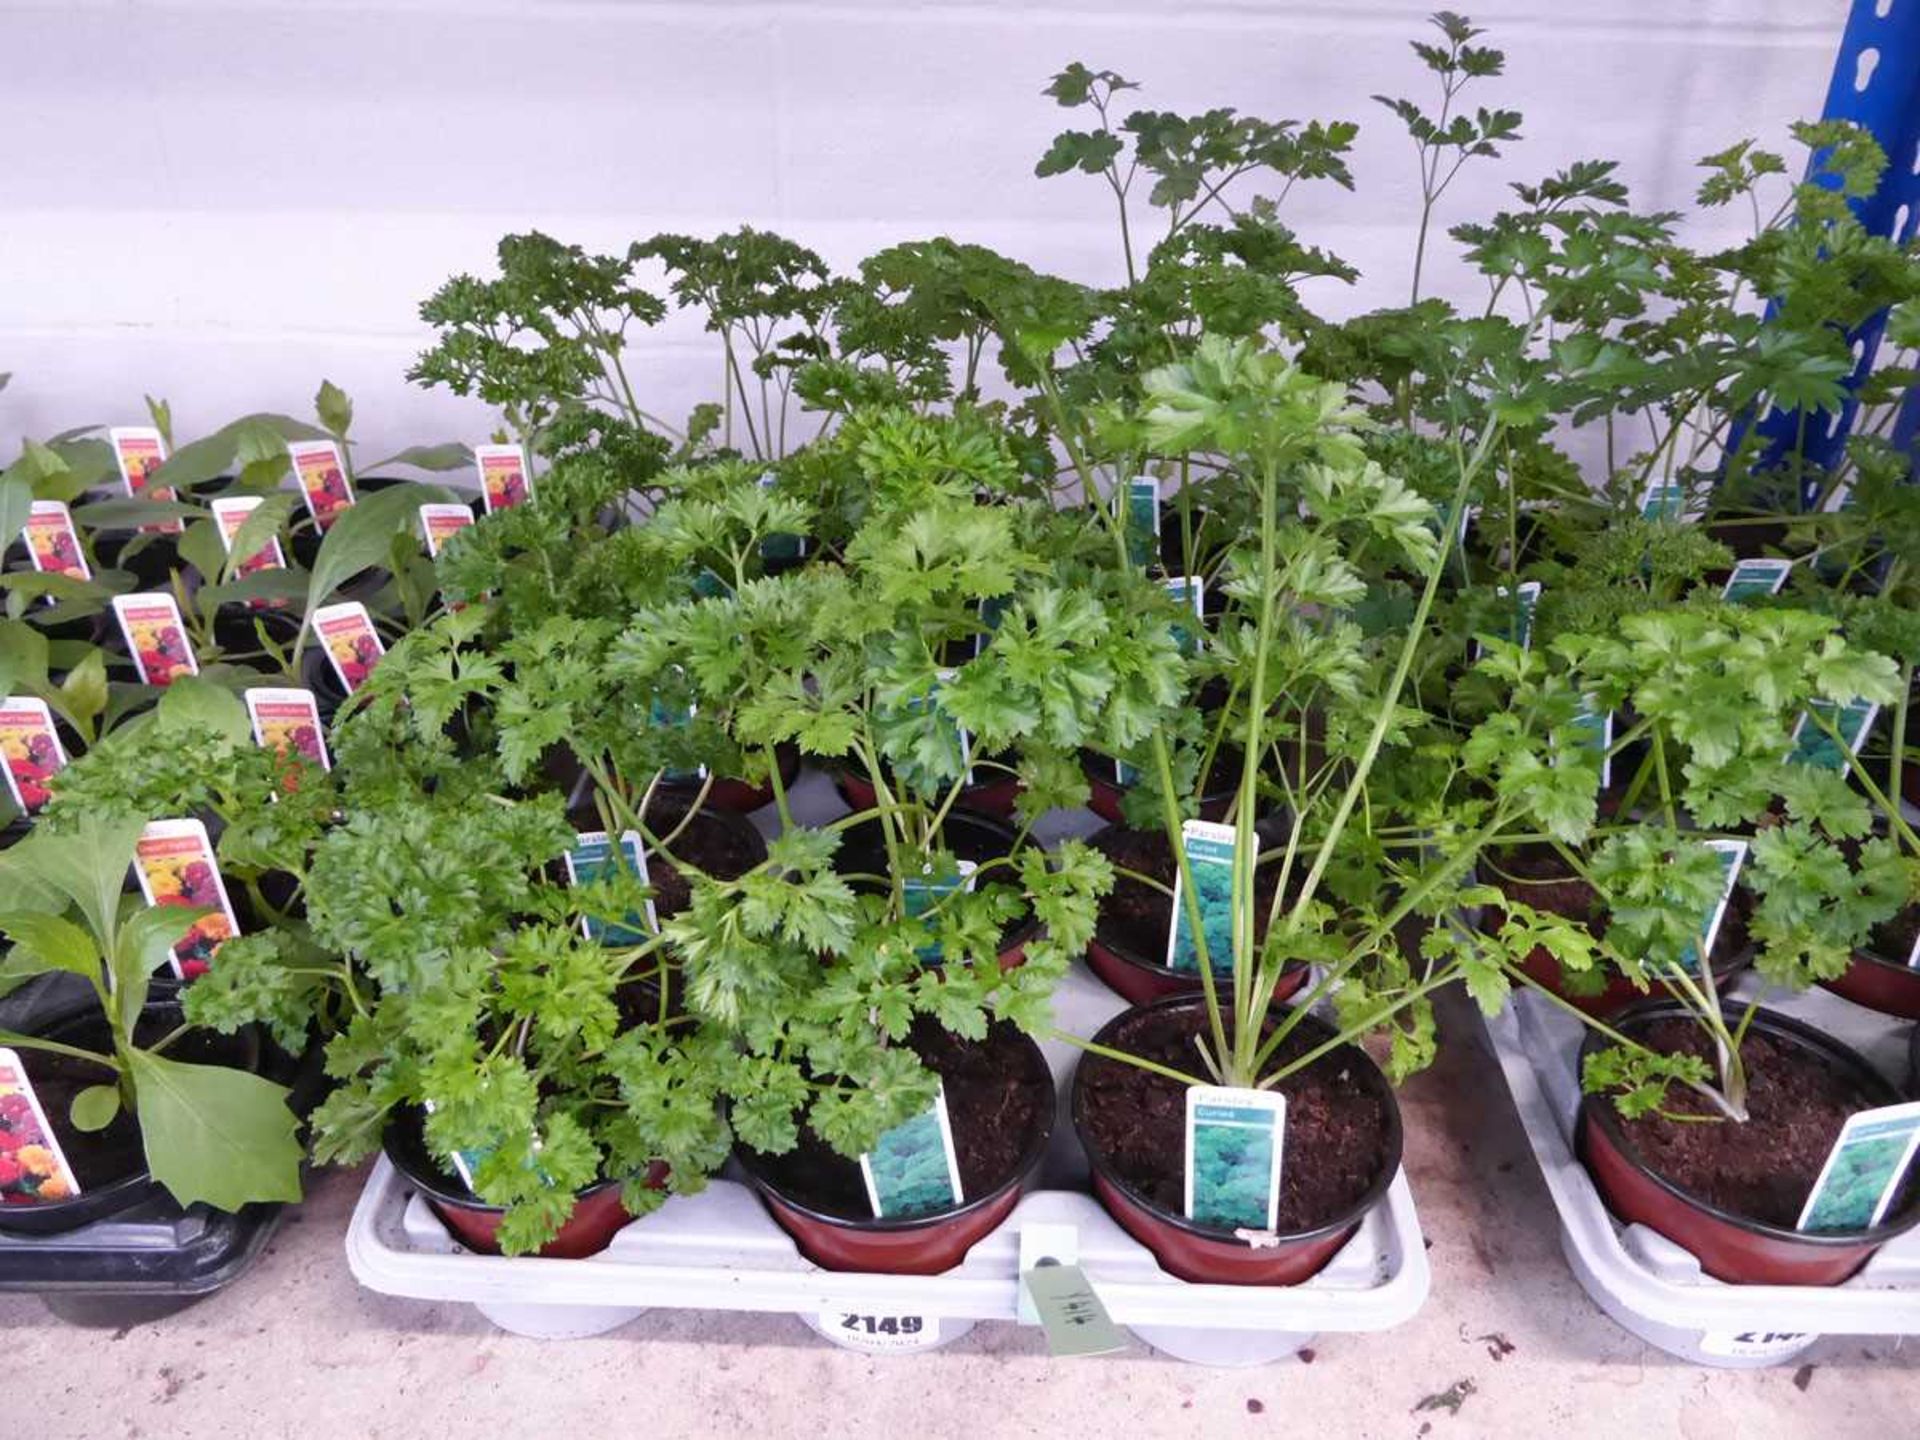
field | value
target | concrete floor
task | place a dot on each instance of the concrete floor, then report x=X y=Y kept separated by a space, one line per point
x=298 y=1349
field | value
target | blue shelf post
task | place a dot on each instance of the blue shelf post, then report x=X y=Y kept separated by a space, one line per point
x=1876 y=85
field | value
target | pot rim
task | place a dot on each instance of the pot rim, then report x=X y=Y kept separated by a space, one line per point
x=1374 y=1194
x=1024 y=931
x=1594 y=1110
x=434 y=1186
x=1030 y=1158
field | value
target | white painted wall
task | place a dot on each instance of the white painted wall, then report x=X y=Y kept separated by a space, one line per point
x=223 y=202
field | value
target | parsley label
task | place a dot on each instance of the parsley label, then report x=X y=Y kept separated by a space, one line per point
x=1521 y=603
x=1752 y=579
x=1210 y=850
x=1234 y=1142
x=1597 y=729
x=1143 y=521
x=1070 y=1312
x=1189 y=590
x=780 y=547
x=1733 y=854
x=923 y=894
x=1864 y=1169
x=912 y=1168
x=593 y=858
x=1814 y=746
x=1663 y=501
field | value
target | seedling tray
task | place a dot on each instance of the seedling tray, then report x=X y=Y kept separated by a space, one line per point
x=721 y=1250
x=1644 y=1281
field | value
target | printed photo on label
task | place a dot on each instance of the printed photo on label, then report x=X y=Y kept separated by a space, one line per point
x=503 y=476
x=33 y=1168
x=31 y=749
x=156 y=637
x=352 y=644
x=175 y=865
x=229 y=514
x=287 y=722
x=440 y=523
x=53 y=544
x=1234 y=1143
x=912 y=1168
x=1210 y=850
x=322 y=475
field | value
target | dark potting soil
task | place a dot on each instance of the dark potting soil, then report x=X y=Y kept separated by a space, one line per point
x=708 y=844
x=1537 y=876
x=1134 y=917
x=1335 y=1140
x=997 y=1094
x=1894 y=939
x=101 y=1157
x=1762 y=1168
x=862 y=858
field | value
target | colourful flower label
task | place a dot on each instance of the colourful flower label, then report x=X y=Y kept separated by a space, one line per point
x=156 y=637
x=352 y=644
x=31 y=749
x=503 y=476
x=175 y=864
x=229 y=514
x=440 y=523
x=140 y=450
x=322 y=472
x=32 y=1167
x=53 y=545
x=287 y=722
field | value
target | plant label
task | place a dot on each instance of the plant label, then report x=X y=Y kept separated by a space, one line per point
x=31 y=750
x=1733 y=854
x=1070 y=1312
x=503 y=476
x=230 y=512
x=1664 y=501
x=440 y=523
x=32 y=1166
x=780 y=547
x=921 y=896
x=139 y=450
x=1234 y=1141
x=1596 y=729
x=664 y=716
x=1188 y=590
x=880 y=1334
x=709 y=586
x=287 y=722
x=1521 y=603
x=321 y=472
x=955 y=744
x=1142 y=520
x=175 y=865
x=1210 y=850
x=1754 y=578
x=1125 y=775
x=1913 y=955
x=593 y=858
x=1812 y=745
x=993 y=610
x=53 y=545
x=912 y=1168
x=352 y=644
x=156 y=637
x=1862 y=1175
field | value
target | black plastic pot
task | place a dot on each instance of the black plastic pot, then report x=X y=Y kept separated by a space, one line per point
x=151 y=563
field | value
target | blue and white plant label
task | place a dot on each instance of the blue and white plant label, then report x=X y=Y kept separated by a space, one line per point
x=1143 y=521
x=1234 y=1143
x=922 y=895
x=1752 y=579
x=912 y=1169
x=1864 y=1169
x=592 y=858
x=1812 y=745
x=1733 y=854
x=1210 y=851
x=1188 y=590
x=1596 y=727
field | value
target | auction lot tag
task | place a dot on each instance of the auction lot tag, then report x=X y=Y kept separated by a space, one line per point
x=1863 y=1170
x=30 y=750
x=32 y=1165
x=175 y=865
x=880 y=1334
x=322 y=472
x=912 y=1168
x=1752 y=578
x=53 y=545
x=1209 y=848
x=156 y=637
x=1071 y=1313
x=352 y=644
x=1234 y=1140
x=1754 y=1344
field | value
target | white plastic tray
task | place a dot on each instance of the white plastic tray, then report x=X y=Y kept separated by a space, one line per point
x=721 y=1250
x=1643 y=1280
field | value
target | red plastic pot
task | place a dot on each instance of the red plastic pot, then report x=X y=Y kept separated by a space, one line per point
x=922 y=1245
x=1106 y=793
x=1618 y=992
x=1731 y=1247
x=598 y=1213
x=742 y=796
x=970 y=837
x=1879 y=984
x=994 y=797
x=1207 y=1256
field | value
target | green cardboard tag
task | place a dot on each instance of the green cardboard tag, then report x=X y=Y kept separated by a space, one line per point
x=1234 y=1143
x=1814 y=746
x=1143 y=521
x=1210 y=849
x=1863 y=1170
x=1754 y=578
x=912 y=1168
x=1071 y=1313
